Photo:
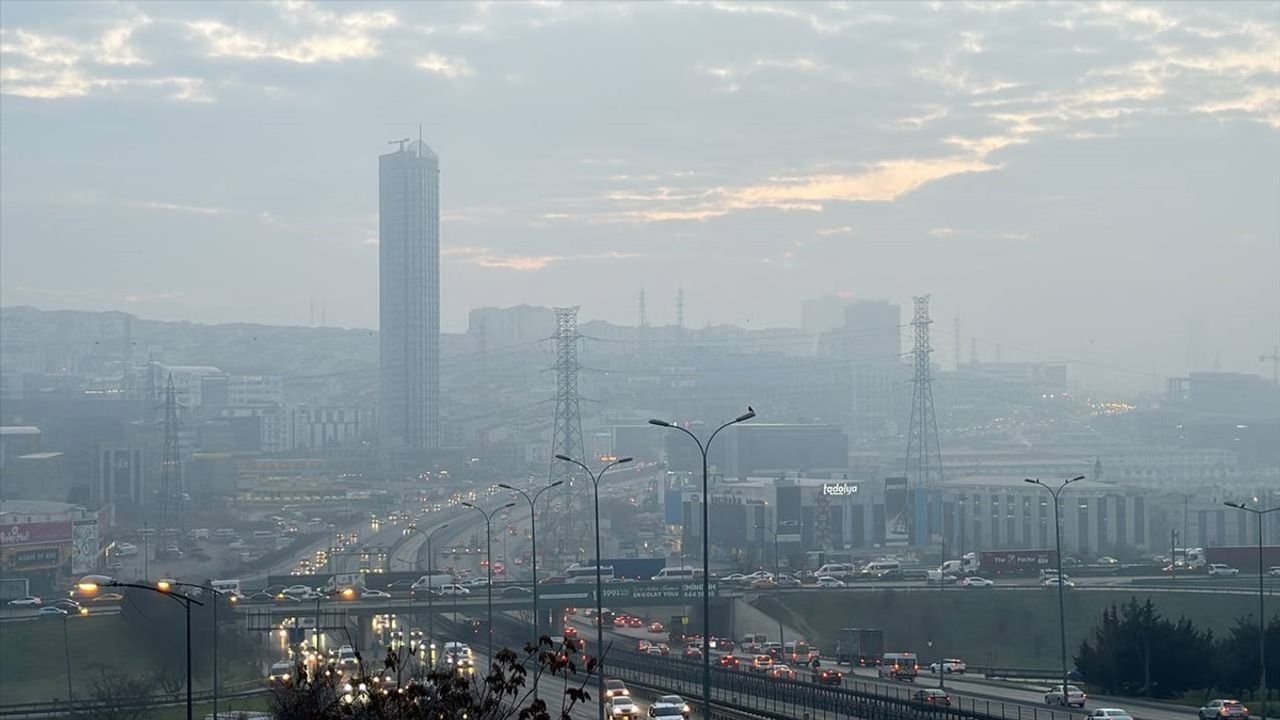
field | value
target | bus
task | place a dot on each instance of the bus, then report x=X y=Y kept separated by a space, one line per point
x=680 y=572
x=224 y=587
x=576 y=573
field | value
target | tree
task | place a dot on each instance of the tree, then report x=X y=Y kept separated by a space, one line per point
x=113 y=694
x=394 y=693
x=1135 y=651
x=1236 y=657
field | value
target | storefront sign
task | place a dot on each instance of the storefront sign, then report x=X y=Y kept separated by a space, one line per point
x=34 y=533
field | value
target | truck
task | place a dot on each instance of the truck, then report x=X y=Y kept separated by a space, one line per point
x=859 y=646
x=1016 y=563
x=342 y=581
x=1243 y=558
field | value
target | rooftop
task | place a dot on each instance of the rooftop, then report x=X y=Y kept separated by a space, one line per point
x=19 y=430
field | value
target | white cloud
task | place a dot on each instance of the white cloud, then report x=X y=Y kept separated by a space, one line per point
x=310 y=35
x=447 y=67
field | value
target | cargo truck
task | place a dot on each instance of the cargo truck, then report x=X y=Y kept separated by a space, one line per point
x=859 y=646
x=1024 y=563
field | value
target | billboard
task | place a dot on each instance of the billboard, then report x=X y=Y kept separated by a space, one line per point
x=84 y=546
x=34 y=533
x=897 y=515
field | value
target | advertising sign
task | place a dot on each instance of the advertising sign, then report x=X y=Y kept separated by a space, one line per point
x=840 y=489
x=618 y=593
x=897 y=517
x=84 y=546
x=37 y=533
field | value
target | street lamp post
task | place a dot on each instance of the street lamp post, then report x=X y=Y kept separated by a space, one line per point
x=66 y=656
x=164 y=586
x=488 y=556
x=1057 y=539
x=777 y=588
x=431 y=592
x=533 y=541
x=90 y=584
x=1262 y=618
x=595 y=485
x=706 y=549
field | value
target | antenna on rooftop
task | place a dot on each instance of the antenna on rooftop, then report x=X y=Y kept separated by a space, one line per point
x=400 y=143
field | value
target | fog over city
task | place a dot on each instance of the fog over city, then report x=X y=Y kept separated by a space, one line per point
x=668 y=359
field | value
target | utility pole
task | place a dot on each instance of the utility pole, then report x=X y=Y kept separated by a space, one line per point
x=924 y=457
x=566 y=434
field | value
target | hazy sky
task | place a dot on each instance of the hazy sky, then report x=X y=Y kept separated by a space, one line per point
x=1093 y=181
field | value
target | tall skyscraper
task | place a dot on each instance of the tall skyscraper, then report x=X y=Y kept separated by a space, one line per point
x=409 y=296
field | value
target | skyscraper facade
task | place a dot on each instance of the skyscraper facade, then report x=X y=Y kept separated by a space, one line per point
x=409 y=297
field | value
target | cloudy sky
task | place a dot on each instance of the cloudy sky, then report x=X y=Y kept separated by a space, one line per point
x=1095 y=181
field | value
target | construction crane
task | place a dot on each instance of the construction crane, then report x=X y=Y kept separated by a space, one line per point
x=399 y=143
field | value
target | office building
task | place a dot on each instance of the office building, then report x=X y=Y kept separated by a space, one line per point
x=409 y=296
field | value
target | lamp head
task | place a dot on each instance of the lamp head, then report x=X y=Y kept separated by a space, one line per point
x=623 y=461
x=745 y=416
x=1238 y=506
x=467 y=504
x=1076 y=478
x=557 y=483
x=1033 y=482
x=659 y=423
x=565 y=458
x=508 y=505
x=164 y=585
x=91 y=584
x=505 y=486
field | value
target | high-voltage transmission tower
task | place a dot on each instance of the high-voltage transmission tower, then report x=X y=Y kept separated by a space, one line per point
x=566 y=435
x=170 y=501
x=924 y=457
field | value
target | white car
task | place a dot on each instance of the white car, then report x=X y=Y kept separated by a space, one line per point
x=375 y=594
x=1074 y=696
x=51 y=610
x=974 y=581
x=310 y=595
x=1220 y=570
x=455 y=590
x=760 y=575
x=1274 y=571
x=948 y=666
x=30 y=601
x=827 y=581
x=659 y=707
x=623 y=707
x=477 y=582
x=733 y=577
x=1053 y=582
x=1104 y=560
x=296 y=590
x=1109 y=714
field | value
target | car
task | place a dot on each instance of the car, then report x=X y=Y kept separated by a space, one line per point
x=287 y=598
x=613 y=687
x=281 y=673
x=635 y=622
x=312 y=596
x=655 y=650
x=828 y=677
x=453 y=591
x=733 y=578
x=620 y=621
x=665 y=711
x=764 y=584
x=827 y=581
x=729 y=662
x=974 y=581
x=1223 y=708
x=1220 y=570
x=29 y=601
x=1109 y=714
x=1106 y=560
x=782 y=672
x=787 y=581
x=932 y=696
x=259 y=597
x=1274 y=571
x=691 y=652
x=761 y=663
x=51 y=610
x=383 y=594
x=622 y=706
x=107 y=599
x=1074 y=696
x=515 y=591
x=66 y=604
x=656 y=627
x=1053 y=582
x=643 y=646
x=296 y=590
x=759 y=575
x=401 y=584
x=948 y=666
x=671 y=701
x=477 y=582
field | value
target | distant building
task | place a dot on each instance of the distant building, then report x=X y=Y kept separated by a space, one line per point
x=255 y=390
x=326 y=427
x=16 y=440
x=491 y=328
x=409 y=297
x=46 y=542
x=822 y=314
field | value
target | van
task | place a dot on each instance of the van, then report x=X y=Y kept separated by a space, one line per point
x=435 y=580
x=836 y=570
x=899 y=666
x=198 y=533
x=878 y=568
x=683 y=572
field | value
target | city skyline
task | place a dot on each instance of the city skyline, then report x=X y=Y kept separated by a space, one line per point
x=1072 y=201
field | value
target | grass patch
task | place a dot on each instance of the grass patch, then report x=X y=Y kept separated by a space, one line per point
x=998 y=628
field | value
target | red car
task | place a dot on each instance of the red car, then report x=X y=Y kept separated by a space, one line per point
x=620 y=621
x=635 y=622
x=656 y=627
x=730 y=662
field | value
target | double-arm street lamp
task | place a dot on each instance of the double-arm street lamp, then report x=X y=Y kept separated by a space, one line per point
x=488 y=559
x=595 y=486
x=91 y=584
x=1062 y=582
x=165 y=586
x=533 y=541
x=706 y=549
x=1262 y=618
